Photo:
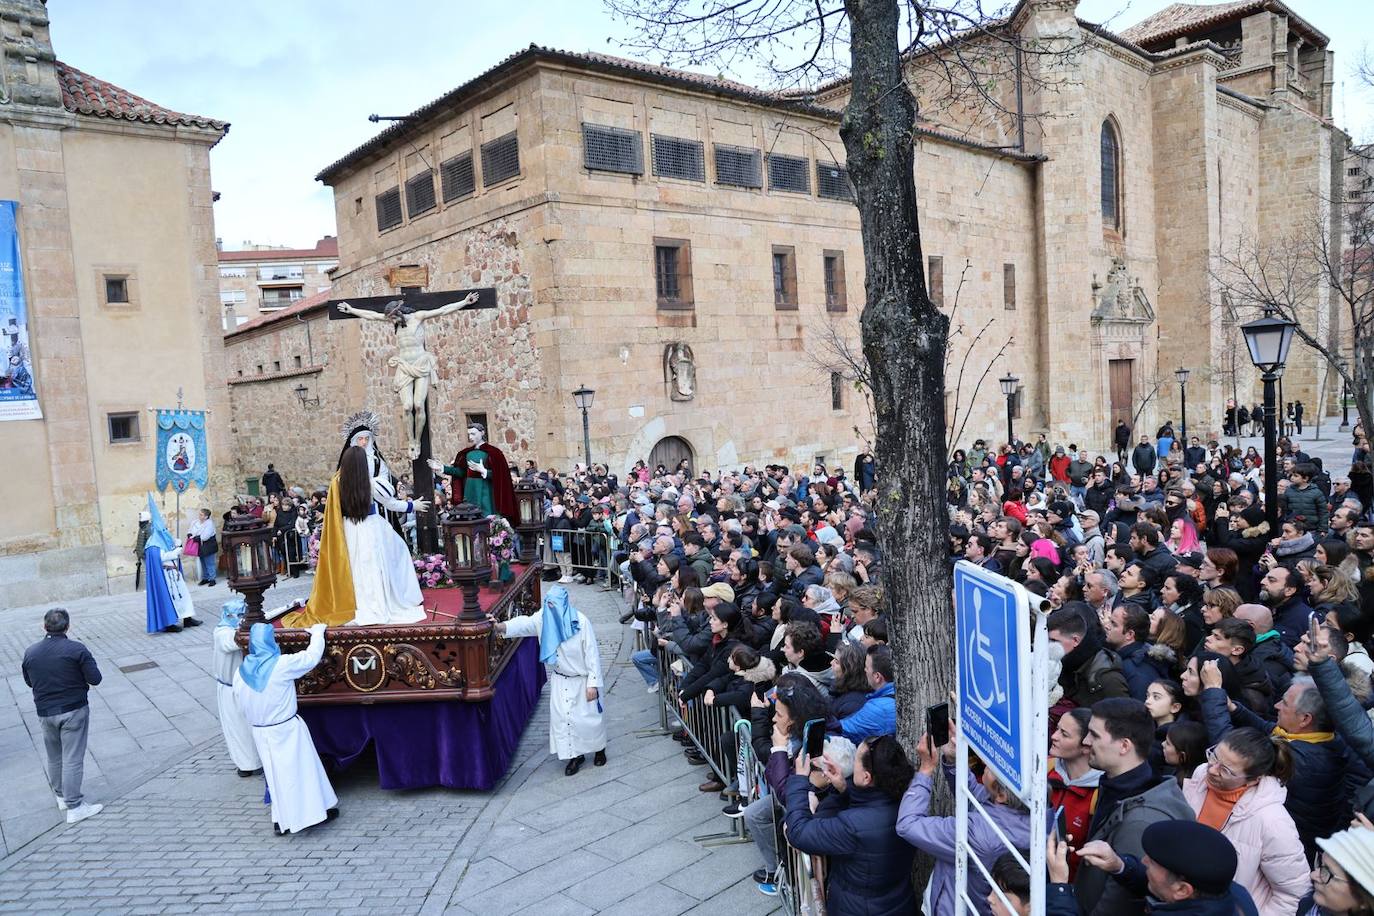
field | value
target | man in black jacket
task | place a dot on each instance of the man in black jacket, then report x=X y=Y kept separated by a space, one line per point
x=61 y=671
x=1143 y=457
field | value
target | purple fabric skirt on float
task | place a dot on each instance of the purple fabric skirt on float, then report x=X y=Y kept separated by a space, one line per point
x=452 y=744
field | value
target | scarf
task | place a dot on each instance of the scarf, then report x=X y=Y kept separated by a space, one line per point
x=263 y=653
x=1309 y=737
x=1217 y=805
x=560 y=624
x=231 y=612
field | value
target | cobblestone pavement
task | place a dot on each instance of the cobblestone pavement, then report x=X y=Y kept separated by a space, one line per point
x=182 y=833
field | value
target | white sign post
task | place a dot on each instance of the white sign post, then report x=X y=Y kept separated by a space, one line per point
x=1003 y=714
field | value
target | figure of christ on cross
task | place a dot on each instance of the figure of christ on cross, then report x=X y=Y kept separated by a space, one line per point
x=416 y=367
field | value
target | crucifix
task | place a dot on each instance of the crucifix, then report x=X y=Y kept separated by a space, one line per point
x=416 y=371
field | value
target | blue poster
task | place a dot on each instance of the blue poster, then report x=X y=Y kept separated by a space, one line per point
x=181 y=456
x=18 y=396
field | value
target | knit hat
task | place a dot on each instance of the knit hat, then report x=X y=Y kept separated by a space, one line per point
x=1253 y=515
x=1353 y=850
x=1195 y=852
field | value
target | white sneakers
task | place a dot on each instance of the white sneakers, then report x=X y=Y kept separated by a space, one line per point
x=61 y=802
x=565 y=580
x=83 y=811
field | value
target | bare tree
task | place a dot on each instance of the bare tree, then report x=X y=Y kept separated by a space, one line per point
x=873 y=45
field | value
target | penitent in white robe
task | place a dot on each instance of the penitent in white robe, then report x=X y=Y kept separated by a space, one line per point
x=176 y=585
x=385 y=586
x=301 y=793
x=238 y=735
x=575 y=724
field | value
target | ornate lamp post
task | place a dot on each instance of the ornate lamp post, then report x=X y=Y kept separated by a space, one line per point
x=469 y=561
x=1182 y=375
x=1009 y=383
x=529 y=499
x=247 y=556
x=582 y=397
x=1345 y=395
x=1268 y=340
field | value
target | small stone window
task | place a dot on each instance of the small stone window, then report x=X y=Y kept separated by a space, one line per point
x=836 y=391
x=123 y=427
x=832 y=264
x=935 y=280
x=1009 y=287
x=116 y=290
x=784 y=277
x=673 y=273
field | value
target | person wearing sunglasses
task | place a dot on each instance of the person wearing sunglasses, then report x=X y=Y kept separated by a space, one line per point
x=1240 y=792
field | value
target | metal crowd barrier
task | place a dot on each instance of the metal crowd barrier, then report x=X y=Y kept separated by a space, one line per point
x=582 y=552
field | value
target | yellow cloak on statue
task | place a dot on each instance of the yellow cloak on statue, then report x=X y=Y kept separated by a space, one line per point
x=331 y=600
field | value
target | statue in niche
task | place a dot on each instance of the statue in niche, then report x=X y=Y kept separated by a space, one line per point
x=679 y=371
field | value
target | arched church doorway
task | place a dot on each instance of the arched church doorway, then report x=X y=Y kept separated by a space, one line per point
x=669 y=451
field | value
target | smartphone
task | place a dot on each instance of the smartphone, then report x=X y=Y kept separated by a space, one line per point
x=1061 y=824
x=937 y=724
x=814 y=736
x=772 y=695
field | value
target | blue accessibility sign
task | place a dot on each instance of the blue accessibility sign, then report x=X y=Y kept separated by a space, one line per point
x=992 y=628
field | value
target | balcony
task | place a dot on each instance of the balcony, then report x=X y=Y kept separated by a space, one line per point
x=274 y=303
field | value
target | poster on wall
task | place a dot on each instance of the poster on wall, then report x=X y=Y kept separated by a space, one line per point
x=18 y=394
x=181 y=456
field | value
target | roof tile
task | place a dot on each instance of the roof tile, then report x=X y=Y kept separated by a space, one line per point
x=85 y=94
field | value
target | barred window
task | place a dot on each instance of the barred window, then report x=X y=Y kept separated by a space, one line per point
x=420 y=193
x=738 y=166
x=500 y=160
x=784 y=277
x=678 y=158
x=832 y=181
x=388 y=209
x=836 y=391
x=832 y=264
x=673 y=273
x=456 y=177
x=788 y=173
x=611 y=149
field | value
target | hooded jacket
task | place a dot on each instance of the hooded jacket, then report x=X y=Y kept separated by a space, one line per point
x=1076 y=797
x=1122 y=829
x=1270 y=860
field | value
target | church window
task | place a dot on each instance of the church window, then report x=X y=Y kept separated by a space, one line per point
x=673 y=273
x=1111 y=177
x=788 y=173
x=675 y=157
x=500 y=159
x=420 y=193
x=116 y=290
x=833 y=265
x=612 y=149
x=388 y=209
x=123 y=427
x=784 y=277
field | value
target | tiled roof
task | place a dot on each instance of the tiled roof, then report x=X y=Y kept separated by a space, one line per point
x=327 y=247
x=84 y=94
x=308 y=304
x=418 y=119
x=1181 y=18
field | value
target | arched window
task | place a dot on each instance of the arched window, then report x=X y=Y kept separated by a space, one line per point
x=1111 y=176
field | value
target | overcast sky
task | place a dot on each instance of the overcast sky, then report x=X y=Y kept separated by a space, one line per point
x=298 y=79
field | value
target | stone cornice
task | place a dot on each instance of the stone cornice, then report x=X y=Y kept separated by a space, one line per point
x=275 y=376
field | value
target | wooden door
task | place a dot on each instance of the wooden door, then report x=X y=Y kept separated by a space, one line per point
x=669 y=452
x=1121 y=376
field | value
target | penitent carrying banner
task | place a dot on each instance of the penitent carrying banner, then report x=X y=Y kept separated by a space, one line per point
x=18 y=395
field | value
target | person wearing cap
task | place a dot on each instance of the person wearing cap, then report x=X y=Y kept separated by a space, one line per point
x=1343 y=876
x=1186 y=868
x=1088 y=520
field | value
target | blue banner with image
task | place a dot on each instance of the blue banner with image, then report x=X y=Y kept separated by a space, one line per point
x=18 y=394
x=182 y=459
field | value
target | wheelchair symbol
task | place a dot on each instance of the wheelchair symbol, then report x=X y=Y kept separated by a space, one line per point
x=980 y=645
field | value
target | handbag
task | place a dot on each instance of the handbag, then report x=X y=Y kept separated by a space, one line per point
x=210 y=547
x=192 y=548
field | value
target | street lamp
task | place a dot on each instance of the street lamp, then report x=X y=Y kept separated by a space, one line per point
x=1009 y=383
x=583 y=398
x=1268 y=340
x=1182 y=375
x=1345 y=394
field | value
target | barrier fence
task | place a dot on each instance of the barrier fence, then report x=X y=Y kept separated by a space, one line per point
x=724 y=739
x=581 y=552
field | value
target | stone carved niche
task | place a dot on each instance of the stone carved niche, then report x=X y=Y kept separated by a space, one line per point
x=679 y=371
x=1120 y=299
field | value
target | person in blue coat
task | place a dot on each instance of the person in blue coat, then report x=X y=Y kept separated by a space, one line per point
x=855 y=826
x=878 y=715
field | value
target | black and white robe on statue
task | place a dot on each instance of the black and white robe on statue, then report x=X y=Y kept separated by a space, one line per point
x=576 y=726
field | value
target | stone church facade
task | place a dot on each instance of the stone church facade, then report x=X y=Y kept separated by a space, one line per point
x=687 y=247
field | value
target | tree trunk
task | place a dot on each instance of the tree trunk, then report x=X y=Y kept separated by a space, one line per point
x=904 y=339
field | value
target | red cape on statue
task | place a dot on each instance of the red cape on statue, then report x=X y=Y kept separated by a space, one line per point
x=502 y=491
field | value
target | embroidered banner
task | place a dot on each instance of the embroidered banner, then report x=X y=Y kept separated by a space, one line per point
x=18 y=397
x=181 y=456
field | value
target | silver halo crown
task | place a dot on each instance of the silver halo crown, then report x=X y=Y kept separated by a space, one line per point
x=365 y=419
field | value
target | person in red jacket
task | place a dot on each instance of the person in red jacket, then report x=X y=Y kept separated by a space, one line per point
x=1059 y=465
x=1073 y=783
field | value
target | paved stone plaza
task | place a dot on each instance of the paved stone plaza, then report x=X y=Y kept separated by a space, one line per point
x=181 y=832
